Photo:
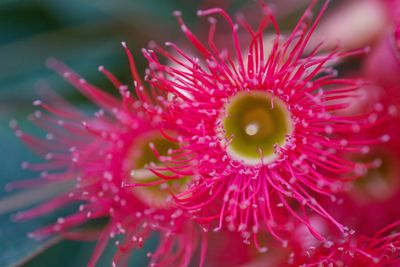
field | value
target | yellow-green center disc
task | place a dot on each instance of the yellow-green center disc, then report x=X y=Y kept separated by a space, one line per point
x=255 y=122
x=137 y=160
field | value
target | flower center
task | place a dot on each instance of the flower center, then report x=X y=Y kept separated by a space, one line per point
x=255 y=122
x=140 y=156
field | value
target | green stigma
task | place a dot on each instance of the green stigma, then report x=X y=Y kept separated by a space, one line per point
x=255 y=122
x=138 y=160
x=146 y=155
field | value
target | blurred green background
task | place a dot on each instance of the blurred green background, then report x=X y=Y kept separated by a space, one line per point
x=83 y=34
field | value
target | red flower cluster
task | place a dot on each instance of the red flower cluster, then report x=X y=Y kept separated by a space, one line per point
x=255 y=144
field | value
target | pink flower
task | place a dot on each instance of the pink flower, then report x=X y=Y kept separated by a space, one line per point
x=371 y=202
x=383 y=64
x=353 y=24
x=382 y=249
x=261 y=131
x=97 y=154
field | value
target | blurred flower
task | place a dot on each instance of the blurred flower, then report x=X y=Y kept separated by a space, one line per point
x=353 y=24
x=260 y=127
x=379 y=249
x=366 y=23
x=98 y=154
x=383 y=64
x=371 y=202
x=382 y=249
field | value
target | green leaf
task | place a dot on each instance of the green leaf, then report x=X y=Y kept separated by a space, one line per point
x=69 y=253
x=14 y=243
